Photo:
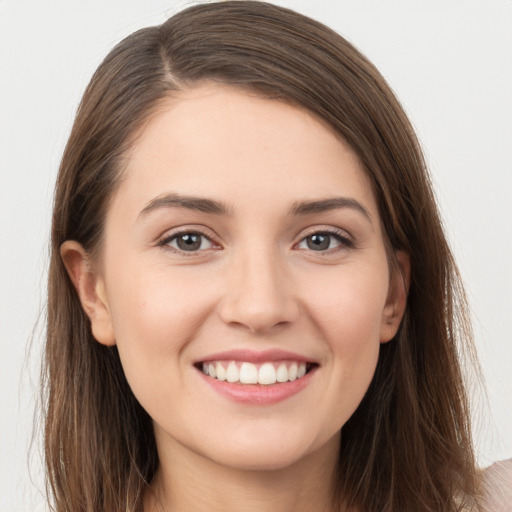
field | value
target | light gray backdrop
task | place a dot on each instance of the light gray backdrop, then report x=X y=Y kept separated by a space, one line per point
x=450 y=62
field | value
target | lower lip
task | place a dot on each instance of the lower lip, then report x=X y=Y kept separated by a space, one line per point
x=258 y=394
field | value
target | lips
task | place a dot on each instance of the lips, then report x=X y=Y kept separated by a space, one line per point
x=257 y=377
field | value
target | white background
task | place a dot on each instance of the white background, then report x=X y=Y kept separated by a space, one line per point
x=450 y=62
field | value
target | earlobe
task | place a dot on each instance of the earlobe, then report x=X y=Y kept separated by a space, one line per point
x=397 y=297
x=91 y=291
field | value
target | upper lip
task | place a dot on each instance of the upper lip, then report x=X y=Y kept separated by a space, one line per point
x=252 y=356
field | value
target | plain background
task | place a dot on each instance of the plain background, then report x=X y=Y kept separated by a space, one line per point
x=450 y=63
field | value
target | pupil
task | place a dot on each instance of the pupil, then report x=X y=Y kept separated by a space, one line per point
x=318 y=242
x=189 y=242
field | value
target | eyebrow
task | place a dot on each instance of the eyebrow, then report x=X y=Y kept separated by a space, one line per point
x=200 y=204
x=325 y=205
x=188 y=202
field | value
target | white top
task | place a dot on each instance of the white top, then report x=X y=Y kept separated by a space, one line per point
x=496 y=492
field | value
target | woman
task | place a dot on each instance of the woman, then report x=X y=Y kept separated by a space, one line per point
x=252 y=303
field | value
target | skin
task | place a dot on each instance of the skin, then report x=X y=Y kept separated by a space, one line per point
x=254 y=283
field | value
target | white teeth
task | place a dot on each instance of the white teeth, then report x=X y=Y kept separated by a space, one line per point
x=221 y=372
x=282 y=373
x=267 y=374
x=292 y=372
x=232 y=373
x=248 y=374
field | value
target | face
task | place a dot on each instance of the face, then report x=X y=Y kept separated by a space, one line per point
x=244 y=279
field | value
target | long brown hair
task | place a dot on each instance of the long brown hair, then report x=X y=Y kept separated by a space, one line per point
x=408 y=445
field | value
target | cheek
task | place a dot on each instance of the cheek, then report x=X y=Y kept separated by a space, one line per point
x=348 y=306
x=348 y=314
x=156 y=301
x=155 y=315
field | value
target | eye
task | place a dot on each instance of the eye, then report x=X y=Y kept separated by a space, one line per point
x=323 y=241
x=189 y=241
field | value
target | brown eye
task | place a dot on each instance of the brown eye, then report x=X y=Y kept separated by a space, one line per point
x=318 y=242
x=189 y=242
x=323 y=241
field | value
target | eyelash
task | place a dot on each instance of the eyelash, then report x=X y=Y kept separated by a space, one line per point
x=166 y=241
x=340 y=236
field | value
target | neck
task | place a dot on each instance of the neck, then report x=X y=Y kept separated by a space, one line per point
x=188 y=482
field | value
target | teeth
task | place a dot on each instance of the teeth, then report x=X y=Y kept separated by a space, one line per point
x=282 y=373
x=232 y=373
x=292 y=372
x=249 y=373
x=220 y=371
x=267 y=374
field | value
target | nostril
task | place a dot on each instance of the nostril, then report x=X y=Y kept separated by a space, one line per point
x=259 y=316
x=259 y=296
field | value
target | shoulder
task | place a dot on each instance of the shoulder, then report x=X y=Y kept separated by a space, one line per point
x=496 y=487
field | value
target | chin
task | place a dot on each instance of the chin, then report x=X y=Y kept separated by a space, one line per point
x=261 y=460
x=272 y=452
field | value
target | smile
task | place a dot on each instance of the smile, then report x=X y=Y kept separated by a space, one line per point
x=266 y=373
x=251 y=377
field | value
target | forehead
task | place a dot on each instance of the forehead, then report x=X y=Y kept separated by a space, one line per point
x=224 y=143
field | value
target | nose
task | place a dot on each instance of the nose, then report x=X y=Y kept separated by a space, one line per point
x=259 y=294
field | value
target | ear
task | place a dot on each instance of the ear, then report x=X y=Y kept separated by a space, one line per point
x=90 y=287
x=397 y=297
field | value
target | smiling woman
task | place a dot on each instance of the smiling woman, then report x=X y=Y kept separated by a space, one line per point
x=252 y=304
x=291 y=299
